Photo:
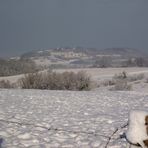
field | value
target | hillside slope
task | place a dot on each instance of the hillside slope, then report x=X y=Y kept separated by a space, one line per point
x=85 y=57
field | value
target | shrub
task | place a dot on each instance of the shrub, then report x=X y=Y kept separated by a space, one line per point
x=6 y=84
x=121 y=82
x=136 y=77
x=83 y=81
x=57 y=81
x=31 y=81
x=130 y=78
x=122 y=85
x=146 y=80
x=107 y=82
x=122 y=75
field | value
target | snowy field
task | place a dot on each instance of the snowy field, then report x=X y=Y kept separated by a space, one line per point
x=95 y=73
x=107 y=73
x=66 y=119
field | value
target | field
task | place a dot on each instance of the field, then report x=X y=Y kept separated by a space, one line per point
x=105 y=73
x=69 y=119
x=95 y=73
x=34 y=118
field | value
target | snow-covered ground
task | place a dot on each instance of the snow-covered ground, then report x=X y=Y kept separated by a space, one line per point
x=68 y=119
x=107 y=73
x=95 y=73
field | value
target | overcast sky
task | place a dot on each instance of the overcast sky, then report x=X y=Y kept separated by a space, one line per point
x=33 y=24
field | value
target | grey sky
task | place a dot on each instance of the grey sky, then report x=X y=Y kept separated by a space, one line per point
x=35 y=24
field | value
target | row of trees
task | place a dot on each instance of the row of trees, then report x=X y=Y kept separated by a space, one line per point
x=131 y=62
x=14 y=67
x=140 y=62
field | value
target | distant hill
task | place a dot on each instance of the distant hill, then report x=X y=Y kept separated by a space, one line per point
x=129 y=52
x=124 y=52
x=85 y=57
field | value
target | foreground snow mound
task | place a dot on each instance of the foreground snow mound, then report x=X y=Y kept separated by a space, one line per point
x=138 y=128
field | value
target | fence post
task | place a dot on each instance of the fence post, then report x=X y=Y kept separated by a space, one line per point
x=137 y=133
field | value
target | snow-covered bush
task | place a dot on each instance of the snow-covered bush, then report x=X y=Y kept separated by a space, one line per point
x=137 y=133
x=129 y=78
x=135 y=77
x=108 y=82
x=121 y=85
x=146 y=80
x=31 y=81
x=122 y=75
x=57 y=81
x=6 y=84
x=121 y=82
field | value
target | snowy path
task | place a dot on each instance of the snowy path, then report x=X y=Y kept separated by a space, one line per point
x=50 y=119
